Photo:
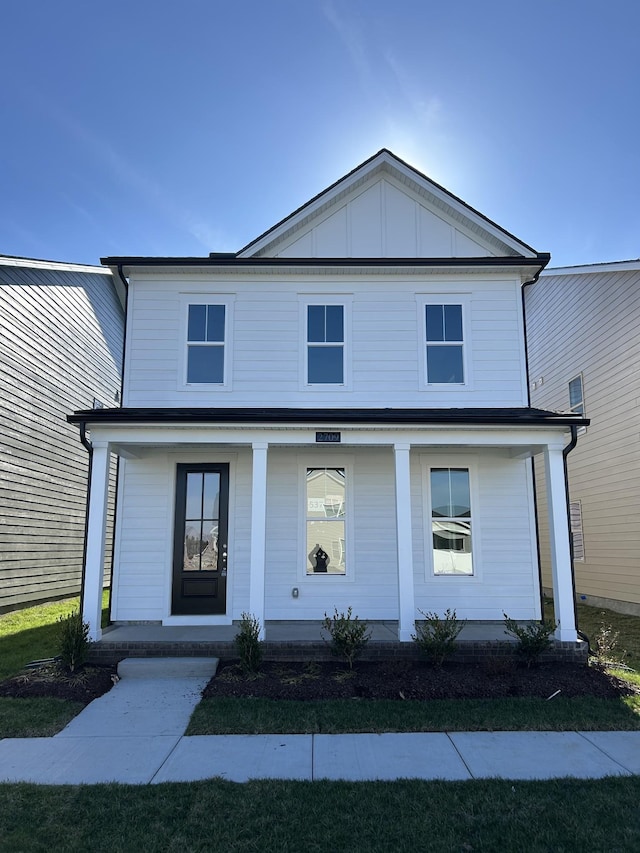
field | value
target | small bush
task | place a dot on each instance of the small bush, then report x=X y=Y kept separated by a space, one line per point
x=533 y=639
x=436 y=636
x=606 y=644
x=73 y=640
x=348 y=635
x=248 y=643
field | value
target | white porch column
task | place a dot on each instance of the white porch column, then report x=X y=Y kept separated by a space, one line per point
x=563 y=599
x=258 y=532
x=406 y=594
x=96 y=531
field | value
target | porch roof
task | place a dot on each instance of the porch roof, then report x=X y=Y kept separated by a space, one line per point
x=523 y=416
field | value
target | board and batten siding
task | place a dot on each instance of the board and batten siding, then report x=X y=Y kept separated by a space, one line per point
x=587 y=323
x=60 y=347
x=507 y=574
x=384 y=334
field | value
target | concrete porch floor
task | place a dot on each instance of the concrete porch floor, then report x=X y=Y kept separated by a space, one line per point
x=302 y=641
x=281 y=632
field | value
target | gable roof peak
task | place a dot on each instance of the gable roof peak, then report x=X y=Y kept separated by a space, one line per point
x=432 y=195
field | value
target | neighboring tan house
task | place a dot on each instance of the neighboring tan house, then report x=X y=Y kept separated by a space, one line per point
x=61 y=335
x=583 y=332
x=335 y=416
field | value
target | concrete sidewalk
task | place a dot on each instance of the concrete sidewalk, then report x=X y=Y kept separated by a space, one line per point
x=135 y=734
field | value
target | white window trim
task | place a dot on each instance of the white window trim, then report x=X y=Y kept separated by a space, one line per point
x=326 y=299
x=427 y=462
x=321 y=460
x=445 y=299
x=228 y=301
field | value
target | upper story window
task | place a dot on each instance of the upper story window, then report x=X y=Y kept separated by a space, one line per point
x=576 y=396
x=205 y=344
x=325 y=344
x=444 y=344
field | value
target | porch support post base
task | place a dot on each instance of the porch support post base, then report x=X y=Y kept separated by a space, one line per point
x=258 y=533
x=406 y=594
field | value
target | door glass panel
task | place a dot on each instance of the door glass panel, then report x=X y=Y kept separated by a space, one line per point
x=209 y=555
x=211 y=502
x=193 y=544
x=194 y=496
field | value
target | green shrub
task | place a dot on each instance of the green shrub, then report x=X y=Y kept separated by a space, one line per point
x=73 y=640
x=533 y=639
x=248 y=643
x=348 y=635
x=436 y=636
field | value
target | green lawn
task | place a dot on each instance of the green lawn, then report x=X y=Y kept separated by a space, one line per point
x=31 y=634
x=565 y=815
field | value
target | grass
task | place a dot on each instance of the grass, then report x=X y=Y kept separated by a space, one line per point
x=32 y=633
x=35 y=717
x=487 y=815
x=267 y=716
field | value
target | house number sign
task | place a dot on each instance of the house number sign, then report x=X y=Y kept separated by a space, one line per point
x=327 y=438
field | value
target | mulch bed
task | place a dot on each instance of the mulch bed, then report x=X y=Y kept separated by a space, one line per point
x=403 y=679
x=52 y=681
x=398 y=679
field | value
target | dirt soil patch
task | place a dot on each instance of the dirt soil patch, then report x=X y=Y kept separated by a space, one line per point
x=402 y=679
x=53 y=681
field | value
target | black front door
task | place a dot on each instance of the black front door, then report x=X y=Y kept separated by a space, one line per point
x=200 y=547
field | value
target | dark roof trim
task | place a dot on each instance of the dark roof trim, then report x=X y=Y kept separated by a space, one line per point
x=226 y=261
x=420 y=175
x=409 y=417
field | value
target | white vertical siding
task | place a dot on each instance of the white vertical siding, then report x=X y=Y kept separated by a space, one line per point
x=384 y=219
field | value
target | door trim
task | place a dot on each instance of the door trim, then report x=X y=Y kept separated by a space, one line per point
x=199 y=614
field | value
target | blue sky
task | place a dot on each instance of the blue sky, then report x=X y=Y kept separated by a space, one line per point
x=178 y=128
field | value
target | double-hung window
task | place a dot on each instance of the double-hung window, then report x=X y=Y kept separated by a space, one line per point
x=325 y=513
x=444 y=344
x=325 y=344
x=451 y=521
x=206 y=325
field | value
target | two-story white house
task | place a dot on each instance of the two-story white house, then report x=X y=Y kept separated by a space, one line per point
x=335 y=416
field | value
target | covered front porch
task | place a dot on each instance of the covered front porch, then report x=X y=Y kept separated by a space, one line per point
x=390 y=456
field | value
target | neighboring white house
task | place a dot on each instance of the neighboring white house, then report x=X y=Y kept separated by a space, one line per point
x=335 y=416
x=584 y=352
x=61 y=334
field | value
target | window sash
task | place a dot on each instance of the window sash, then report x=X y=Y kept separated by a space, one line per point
x=444 y=338
x=206 y=324
x=325 y=344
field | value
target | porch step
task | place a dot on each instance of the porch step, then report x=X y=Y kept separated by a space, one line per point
x=168 y=667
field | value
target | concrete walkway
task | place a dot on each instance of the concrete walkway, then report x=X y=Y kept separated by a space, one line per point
x=135 y=734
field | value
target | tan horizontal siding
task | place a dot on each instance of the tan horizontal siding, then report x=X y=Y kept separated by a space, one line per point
x=589 y=324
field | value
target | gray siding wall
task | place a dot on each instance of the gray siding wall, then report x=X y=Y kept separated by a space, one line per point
x=589 y=323
x=60 y=347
